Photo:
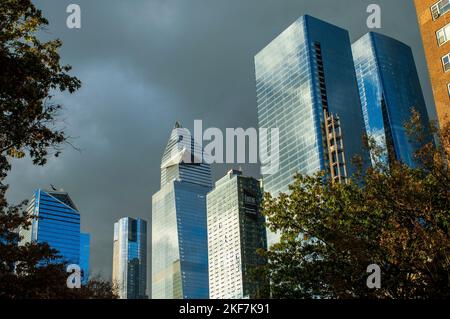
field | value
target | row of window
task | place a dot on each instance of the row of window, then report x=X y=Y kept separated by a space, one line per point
x=446 y=62
x=440 y=8
x=443 y=35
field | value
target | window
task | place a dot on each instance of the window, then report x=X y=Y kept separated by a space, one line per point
x=443 y=35
x=446 y=62
x=440 y=8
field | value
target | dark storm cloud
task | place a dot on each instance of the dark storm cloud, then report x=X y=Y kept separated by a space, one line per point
x=146 y=64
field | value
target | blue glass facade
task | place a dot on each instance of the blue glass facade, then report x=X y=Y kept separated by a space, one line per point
x=130 y=258
x=85 y=248
x=306 y=87
x=57 y=223
x=179 y=230
x=389 y=88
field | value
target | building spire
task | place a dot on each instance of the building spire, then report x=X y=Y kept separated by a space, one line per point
x=177 y=124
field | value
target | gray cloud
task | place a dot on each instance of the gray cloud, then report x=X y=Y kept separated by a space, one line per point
x=146 y=64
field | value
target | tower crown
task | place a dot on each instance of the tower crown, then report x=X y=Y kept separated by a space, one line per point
x=183 y=159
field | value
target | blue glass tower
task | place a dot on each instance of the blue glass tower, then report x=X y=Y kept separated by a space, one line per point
x=57 y=223
x=306 y=87
x=179 y=230
x=85 y=247
x=389 y=88
x=130 y=258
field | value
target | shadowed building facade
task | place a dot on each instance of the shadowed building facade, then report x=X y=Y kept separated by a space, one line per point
x=179 y=232
x=236 y=230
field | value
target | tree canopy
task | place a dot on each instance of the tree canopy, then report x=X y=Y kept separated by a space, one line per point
x=30 y=73
x=394 y=216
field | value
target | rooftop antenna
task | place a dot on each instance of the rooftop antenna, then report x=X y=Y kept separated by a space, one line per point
x=53 y=187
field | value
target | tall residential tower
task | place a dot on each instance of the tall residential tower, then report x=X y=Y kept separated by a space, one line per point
x=236 y=230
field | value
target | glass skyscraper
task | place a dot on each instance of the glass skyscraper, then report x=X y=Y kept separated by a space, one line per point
x=57 y=223
x=85 y=247
x=179 y=232
x=389 y=88
x=236 y=230
x=130 y=258
x=306 y=87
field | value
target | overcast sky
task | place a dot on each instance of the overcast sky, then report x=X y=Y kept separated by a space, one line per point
x=145 y=64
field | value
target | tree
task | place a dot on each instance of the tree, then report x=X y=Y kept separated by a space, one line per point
x=97 y=288
x=30 y=72
x=35 y=270
x=394 y=216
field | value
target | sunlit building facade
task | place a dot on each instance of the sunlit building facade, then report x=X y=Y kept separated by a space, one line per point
x=389 y=88
x=179 y=232
x=236 y=231
x=434 y=24
x=306 y=87
x=130 y=258
x=56 y=222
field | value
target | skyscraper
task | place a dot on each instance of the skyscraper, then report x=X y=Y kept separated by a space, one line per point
x=389 y=89
x=130 y=258
x=85 y=248
x=57 y=223
x=306 y=87
x=434 y=24
x=236 y=230
x=179 y=233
